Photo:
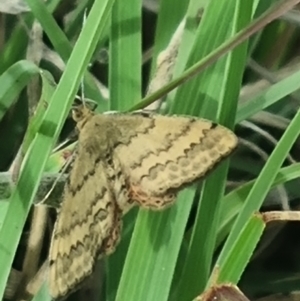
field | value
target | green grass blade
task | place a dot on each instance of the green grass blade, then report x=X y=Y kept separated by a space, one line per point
x=15 y=47
x=48 y=87
x=270 y=15
x=203 y=238
x=262 y=184
x=241 y=251
x=233 y=202
x=165 y=30
x=125 y=55
x=115 y=262
x=150 y=283
x=61 y=43
x=125 y=91
x=156 y=286
x=50 y=26
x=3 y=210
x=35 y=160
x=269 y=96
x=154 y=247
x=13 y=81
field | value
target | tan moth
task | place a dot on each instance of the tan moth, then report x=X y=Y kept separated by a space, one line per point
x=125 y=160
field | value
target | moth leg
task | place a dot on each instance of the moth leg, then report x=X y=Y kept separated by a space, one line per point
x=153 y=202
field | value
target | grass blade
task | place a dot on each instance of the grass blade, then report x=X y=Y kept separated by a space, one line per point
x=31 y=172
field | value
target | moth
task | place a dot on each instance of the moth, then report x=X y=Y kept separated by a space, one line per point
x=125 y=160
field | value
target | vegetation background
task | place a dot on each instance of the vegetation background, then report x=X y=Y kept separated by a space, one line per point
x=249 y=83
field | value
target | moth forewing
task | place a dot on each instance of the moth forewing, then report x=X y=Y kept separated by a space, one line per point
x=166 y=153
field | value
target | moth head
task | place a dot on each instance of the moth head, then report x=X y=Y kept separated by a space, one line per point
x=81 y=114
